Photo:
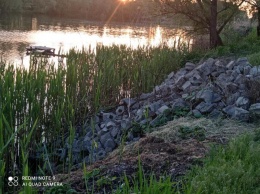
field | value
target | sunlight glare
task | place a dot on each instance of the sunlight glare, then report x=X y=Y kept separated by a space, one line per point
x=64 y=39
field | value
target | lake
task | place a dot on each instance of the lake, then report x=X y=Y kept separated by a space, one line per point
x=19 y=32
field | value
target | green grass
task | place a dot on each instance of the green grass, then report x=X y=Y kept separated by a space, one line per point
x=230 y=169
x=237 y=46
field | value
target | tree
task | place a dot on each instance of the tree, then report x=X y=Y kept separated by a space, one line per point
x=208 y=16
x=255 y=7
x=11 y=5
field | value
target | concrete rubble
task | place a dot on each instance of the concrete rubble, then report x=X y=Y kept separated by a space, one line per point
x=213 y=88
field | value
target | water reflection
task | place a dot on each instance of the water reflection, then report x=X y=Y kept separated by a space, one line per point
x=64 y=35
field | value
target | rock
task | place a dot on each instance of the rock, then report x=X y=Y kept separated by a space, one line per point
x=246 y=70
x=128 y=102
x=140 y=112
x=241 y=63
x=86 y=144
x=114 y=132
x=180 y=81
x=102 y=125
x=204 y=107
x=243 y=88
x=232 y=98
x=105 y=129
x=162 y=109
x=126 y=124
x=90 y=134
x=76 y=146
x=215 y=114
x=231 y=88
x=87 y=160
x=96 y=119
x=155 y=121
x=237 y=113
x=255 y=71
x=155 y=106
x=196 y=79
x=108 y=116
x=220 y=67
x=230 y=65
x=162 y=90
x=185 y=95
x=229 y=110
x=171 y=75
x=97 y=128
x=139 y=115
x=223 y=78
x=62 y=153
x=144 y=122
x=254 y=112
x=216 y=97
x=179 y=103
x=234 y=74
x=240 y=114
x=110 y=125
x=221 y=105
x=243 y=102
x=196 y=113
x=109 y=145
x=180 y=73
x=101 y=153
x=145 y=96
x=120 y=110
x=191 y=74
x=206 y=68
x=76 y=157
x=239 y=79
x=186 y=86
x=189 y=66
x=205 y=95
x=104 y=138
x=130 y=136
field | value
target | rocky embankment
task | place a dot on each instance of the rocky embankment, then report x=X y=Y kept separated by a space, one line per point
x=214 y=88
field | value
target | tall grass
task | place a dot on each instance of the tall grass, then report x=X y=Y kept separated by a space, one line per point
x=42 y=106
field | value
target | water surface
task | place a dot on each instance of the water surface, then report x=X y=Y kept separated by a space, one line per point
x=18 y=32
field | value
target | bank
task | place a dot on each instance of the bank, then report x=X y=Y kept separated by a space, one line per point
x=215 y=88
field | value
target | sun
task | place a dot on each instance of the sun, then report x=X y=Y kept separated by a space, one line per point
x=124 y=1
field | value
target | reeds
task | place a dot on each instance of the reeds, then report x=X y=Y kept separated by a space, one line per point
x=46 y=103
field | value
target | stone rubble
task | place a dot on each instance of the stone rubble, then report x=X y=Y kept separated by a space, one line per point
x=214 y=88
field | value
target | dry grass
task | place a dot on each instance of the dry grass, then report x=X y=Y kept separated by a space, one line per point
x=220 y=130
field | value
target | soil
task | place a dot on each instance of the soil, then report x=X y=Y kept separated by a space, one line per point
x=167 y=150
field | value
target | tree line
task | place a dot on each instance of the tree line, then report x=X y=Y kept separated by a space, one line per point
x=101 y=10
x=208 y=16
